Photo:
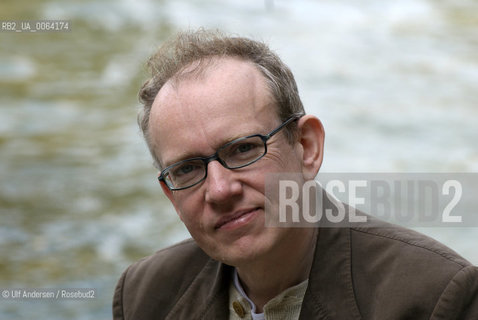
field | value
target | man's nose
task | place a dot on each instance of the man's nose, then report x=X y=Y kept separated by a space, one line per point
x=221 y=183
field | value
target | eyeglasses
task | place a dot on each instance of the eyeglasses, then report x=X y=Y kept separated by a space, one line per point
x=235 y=154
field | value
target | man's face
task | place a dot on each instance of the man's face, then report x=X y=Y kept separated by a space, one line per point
x=197 y=115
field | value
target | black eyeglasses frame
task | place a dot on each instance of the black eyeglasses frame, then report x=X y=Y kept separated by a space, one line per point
x=215 y=156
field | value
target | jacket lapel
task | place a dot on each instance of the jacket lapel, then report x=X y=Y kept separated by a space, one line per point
x=330 y=294
x=207 y=297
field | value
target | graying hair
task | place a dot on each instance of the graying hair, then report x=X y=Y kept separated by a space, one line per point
x=202 y=46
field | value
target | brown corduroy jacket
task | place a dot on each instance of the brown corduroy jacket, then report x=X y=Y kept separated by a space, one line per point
x=377 y=271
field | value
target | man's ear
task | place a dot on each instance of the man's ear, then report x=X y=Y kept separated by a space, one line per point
x=312 y=140
x=170 y=196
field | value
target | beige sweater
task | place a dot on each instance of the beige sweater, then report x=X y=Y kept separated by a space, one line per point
x=285 y=306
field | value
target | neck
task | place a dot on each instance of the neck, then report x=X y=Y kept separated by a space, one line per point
x=290 y=265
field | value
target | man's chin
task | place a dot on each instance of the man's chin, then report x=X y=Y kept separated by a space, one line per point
x=237 y=255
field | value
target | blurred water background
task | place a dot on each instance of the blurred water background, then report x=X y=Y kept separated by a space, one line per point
x=394 y=82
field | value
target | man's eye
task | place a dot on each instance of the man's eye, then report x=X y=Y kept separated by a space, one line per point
x=185 y=169
x=244 y=147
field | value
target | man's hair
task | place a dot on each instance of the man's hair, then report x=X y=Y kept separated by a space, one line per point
x=201 y=46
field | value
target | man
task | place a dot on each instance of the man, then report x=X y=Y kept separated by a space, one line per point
x=221 y=114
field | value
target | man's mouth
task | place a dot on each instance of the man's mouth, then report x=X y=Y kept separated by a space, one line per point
x=237 y=219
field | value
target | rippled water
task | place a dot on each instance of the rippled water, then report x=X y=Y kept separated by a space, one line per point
x=394 y=83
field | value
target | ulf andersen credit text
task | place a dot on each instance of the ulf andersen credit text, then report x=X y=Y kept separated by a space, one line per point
x=53 y=294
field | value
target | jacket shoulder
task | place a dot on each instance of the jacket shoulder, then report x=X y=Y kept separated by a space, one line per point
x=460 y=298
x=406 y=241
x=154 y=284
x=412 y=269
